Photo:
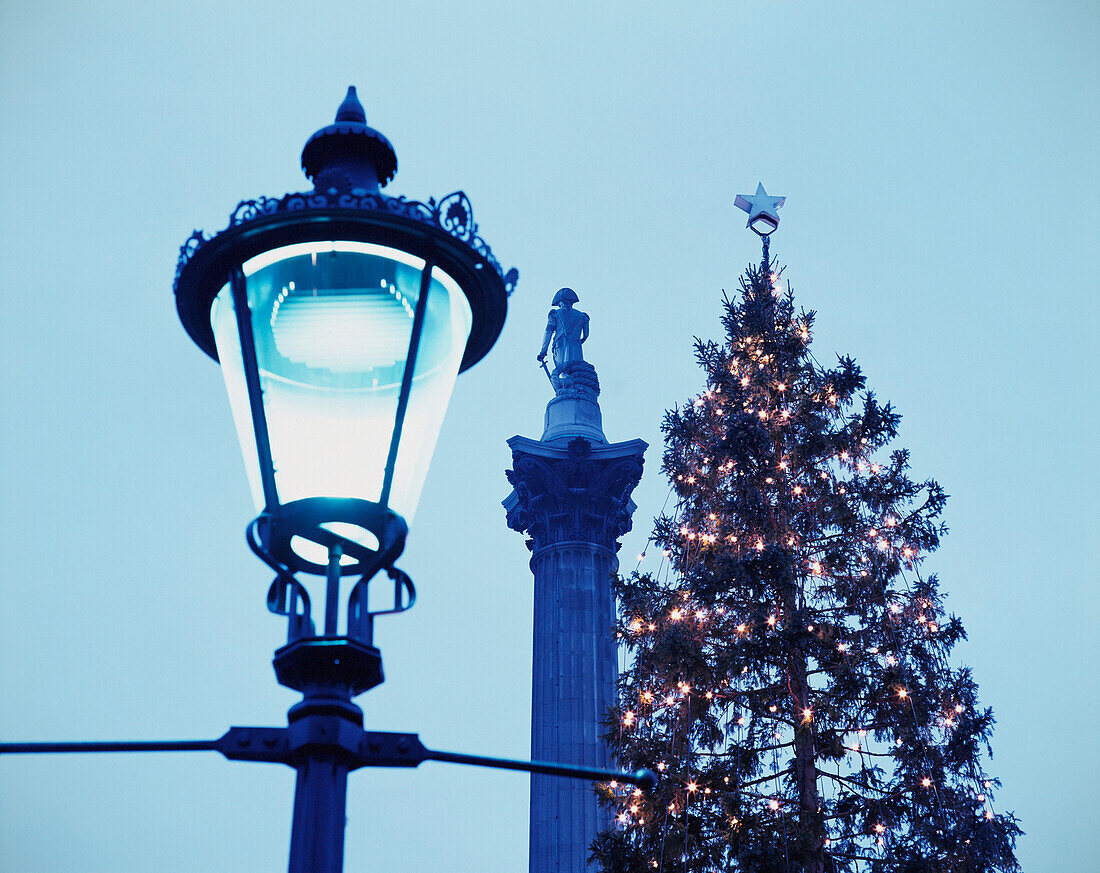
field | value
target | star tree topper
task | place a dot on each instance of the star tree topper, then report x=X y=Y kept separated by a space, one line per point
x=763 y=210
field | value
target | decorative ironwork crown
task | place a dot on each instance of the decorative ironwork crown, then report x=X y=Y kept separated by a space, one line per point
x=349 y=162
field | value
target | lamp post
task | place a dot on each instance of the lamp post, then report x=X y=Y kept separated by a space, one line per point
x=341 y=318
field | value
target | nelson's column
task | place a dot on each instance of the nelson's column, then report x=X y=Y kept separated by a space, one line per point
x=571 y=496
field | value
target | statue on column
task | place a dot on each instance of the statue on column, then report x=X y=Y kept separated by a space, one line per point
x=566 y=330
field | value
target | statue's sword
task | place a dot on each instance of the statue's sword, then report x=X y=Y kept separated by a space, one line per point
x=547 y=372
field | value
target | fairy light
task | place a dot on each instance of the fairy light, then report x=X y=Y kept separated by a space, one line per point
x=705 y=537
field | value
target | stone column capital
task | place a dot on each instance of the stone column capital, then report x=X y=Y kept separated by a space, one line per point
x=577 y=491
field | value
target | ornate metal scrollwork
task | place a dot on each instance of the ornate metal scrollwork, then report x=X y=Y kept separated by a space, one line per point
x=247 y=210
x=456 y=216
x=188 y=249
x=453 y=214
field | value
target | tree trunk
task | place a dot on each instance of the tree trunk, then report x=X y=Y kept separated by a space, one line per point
x=805 y=757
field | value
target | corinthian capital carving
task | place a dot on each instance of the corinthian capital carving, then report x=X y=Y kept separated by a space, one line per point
x=577 y=493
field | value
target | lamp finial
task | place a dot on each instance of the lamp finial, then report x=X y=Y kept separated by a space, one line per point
x=351 y=109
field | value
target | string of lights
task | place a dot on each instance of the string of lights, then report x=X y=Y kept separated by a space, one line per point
x=780 y=637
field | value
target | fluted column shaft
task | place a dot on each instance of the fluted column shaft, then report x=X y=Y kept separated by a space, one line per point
x=573 y=684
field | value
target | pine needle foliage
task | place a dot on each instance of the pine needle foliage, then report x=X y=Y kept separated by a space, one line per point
x=788 y=666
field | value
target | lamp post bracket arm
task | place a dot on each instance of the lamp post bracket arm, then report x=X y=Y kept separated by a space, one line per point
x=112 y=746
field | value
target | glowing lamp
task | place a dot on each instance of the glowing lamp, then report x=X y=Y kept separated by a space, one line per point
x=341 y=318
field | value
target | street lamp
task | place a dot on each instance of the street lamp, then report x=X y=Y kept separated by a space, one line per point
x=341 y=318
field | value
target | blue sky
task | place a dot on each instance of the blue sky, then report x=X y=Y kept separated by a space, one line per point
x=940 y=165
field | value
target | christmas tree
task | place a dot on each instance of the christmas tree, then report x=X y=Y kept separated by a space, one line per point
x=788 y=672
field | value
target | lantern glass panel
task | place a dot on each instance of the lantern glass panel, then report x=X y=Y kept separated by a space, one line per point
x=332 y=323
